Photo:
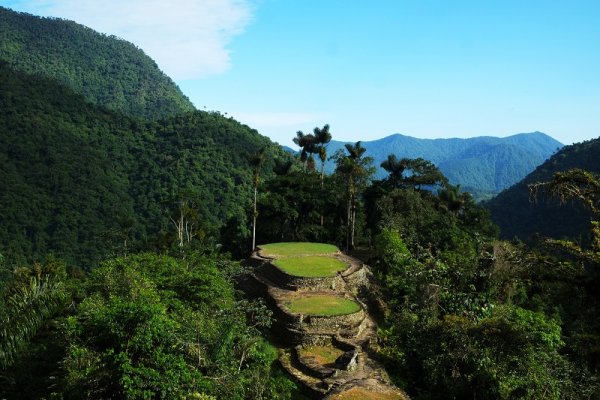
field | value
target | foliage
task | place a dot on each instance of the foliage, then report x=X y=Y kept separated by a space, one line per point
x=519 y=215
x=87 y=184
x=156 y=327
x=292 y=206
x=82 y=59
x=469 y=318
x=29 y=300
x=356 y=170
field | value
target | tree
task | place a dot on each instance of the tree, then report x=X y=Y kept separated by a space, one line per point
x=282 y=167
x=34 y=296
x=357 y=170
x=307 y=149
x=256 y=162
x=322 y=137
x=576 y=184
x=396 y=169
x=185 y=219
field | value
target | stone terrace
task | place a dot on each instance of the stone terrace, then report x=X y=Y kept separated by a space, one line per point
x=304 y=336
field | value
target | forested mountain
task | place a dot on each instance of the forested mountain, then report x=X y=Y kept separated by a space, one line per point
x=518 y=214
x=106 y=70
x=481 y=165
x=84 y=182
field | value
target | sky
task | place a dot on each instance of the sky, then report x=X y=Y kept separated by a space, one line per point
x=370 y=68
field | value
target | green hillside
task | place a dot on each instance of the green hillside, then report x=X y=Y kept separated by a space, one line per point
x=83 y=182
x=83 y=59
x=518 y=215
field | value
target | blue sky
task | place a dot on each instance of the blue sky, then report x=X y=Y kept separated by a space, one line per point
x=423 y=68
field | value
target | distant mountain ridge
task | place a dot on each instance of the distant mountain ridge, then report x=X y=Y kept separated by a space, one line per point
x=481 y=165
x=106 y=70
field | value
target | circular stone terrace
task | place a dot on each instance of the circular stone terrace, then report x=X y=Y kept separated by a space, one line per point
x=296 y=249
x=320 y=305
x=304 y=266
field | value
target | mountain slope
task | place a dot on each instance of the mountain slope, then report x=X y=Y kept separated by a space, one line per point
x=106 y=70
x=83 y=182
x=479 y=164
x=518 y=215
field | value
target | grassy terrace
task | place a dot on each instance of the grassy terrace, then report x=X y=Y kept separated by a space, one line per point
x=324 y=355
x=291 y=249
x=322 y=305
x=357 y=393
x=311 y=266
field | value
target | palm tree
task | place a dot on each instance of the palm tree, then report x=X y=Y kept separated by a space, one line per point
x=256 y=161
x=322 y=137
x=357 y=170
x=31 y=304
x=395 y=168
x=308 y=147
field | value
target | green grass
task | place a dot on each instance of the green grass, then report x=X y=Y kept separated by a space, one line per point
x=311 y=266
x=324 y=355
x=287 y=249
x=357 y=393
x=322 y=305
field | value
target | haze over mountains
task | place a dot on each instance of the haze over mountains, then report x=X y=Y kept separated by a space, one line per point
x=482 y=165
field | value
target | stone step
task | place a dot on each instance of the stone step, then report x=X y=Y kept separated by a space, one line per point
x=313 y=387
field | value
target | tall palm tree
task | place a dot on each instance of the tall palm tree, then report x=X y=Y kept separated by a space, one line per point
x=357 y=170
x=308 y=147
x=322 y=137
x=395 y=168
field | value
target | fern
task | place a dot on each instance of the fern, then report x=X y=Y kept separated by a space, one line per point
x=26 y=311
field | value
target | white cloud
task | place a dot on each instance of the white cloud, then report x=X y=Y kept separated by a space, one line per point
x=187 y=38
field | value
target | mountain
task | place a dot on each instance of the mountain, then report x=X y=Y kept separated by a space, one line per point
x=106 y=70
x=83 y=182
x=481 y=165
x=519 y=216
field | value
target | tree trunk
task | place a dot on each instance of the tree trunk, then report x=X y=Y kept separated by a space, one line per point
x=255 y=214
x=353 y=223
x=322 y=178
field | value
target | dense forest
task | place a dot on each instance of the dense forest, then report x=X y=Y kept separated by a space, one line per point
x=86 y=183
x=123 y=237
x=520 y=215
x=82 y=59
